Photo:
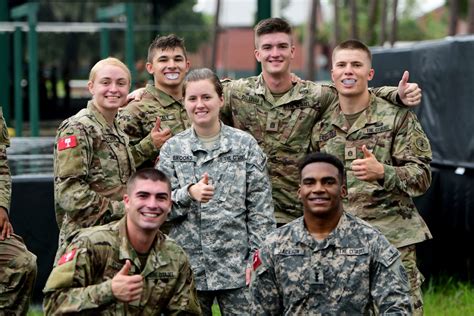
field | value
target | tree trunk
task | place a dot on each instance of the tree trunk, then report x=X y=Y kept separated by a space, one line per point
x=383 y=24
x=393 y=31
x=337 y=26
x=215 y=35
x=354 y=31
x=370 y=28
x=310 y=41
x=453 y=16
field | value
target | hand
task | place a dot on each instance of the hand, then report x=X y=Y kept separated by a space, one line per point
x=127 y=288
x=202 y=191
x=158 y=136
x=295 y=79
x=368 y=168
x=135 y=95
x=248 y=274
x=6 y=228
x=409 y=93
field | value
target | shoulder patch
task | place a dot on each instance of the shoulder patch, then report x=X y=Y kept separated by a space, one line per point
x=256 y=262
x=67 y=142
x=67 y=257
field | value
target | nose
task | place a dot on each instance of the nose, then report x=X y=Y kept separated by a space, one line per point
x=348 y=69
x=152 y=203
x=318 y=187
x=171 y=63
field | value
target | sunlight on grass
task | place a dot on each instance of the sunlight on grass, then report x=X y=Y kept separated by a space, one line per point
x=449 y=298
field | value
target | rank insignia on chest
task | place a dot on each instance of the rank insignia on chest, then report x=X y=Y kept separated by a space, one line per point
x=316 y=276
x=350 y=153
x=67 y=142
x=272 y=125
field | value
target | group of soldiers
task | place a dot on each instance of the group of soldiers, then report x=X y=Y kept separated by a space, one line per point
x=314 y=160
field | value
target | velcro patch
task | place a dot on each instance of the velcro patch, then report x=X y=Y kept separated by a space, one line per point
x=67 y=142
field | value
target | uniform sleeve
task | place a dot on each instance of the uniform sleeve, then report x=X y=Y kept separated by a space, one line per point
x=180 y=195
x=184 y=300
x=389 y=286
x=141 y=143
x=69 y=287
x=5 y=178
x=389 y=94
x=73 y=193
x=259 y=203
x=226 y=111
x=265 y=294
x=410 y=170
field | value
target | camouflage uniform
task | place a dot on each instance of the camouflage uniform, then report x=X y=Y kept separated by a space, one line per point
x=17 y=264
x=282 y=128
x=350 y=271
x=17 y=276
x=397 y=140
x=5 y=179
x=219 y=235
x=138 y=118
x=81 y=280
x=91 y=173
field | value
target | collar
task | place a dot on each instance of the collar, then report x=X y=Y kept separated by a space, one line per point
x=162 y=97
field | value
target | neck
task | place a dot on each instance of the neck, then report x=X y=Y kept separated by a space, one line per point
x=354 y=104
x=321 y=227
x=207 y=131
x=176 y=92
x=142 y=242
x=109 y=115
x=278 y=83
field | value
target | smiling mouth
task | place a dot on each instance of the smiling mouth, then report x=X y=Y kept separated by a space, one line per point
x=172 y=76
x=348 y=82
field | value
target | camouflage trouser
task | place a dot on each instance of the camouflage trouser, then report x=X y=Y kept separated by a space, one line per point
x=17 y=276
x=414 y=276
x=231 y=302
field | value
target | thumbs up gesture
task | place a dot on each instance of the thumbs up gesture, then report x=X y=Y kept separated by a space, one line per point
x=159 y=136
x=368 y=168
x=202 y=191
x=409 y=93
x=127 y=288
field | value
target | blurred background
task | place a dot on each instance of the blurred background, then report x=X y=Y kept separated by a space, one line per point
x=48 y=47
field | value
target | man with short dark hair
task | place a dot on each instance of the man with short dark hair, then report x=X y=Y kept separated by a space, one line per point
x=280 y=113
x=129 y=266
x=159 y=114
x=386 y=153
x=327 y=262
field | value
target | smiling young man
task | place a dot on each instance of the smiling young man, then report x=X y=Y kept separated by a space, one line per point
x=280 y=113
x=168 y=63
x=386 y=153
x=127 y=267
x=327 y=262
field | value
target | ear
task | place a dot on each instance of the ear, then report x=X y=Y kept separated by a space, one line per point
x=343 y=191
x=126 y=200
x=257 y=55
x=90 y=85
x=292 y=50
x=371 y=74
x=188 y=65
x=332 y=75
x=149 y=68
x=299 y=192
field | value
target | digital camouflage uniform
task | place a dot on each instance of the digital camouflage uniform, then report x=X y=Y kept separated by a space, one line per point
x=92 y=163
x=220 y=235
x=347 y=273
x=282 y=128
x=138 y=118
x=81 y=281
x=397 y=140
x=17 y=265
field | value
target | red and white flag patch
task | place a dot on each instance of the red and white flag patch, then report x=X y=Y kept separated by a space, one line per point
x=67 y=142
x=67 y=257
x=256 y=260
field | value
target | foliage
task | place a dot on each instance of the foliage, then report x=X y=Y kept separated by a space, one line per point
x=448 y=297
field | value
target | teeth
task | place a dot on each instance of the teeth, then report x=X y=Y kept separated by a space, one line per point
x=172 y=76
x=348 y=81
x=150 y=214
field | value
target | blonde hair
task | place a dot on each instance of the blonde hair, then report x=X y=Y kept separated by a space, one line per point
x=109 y=61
